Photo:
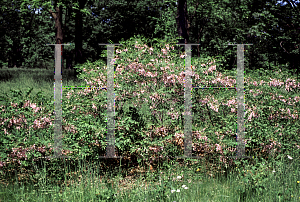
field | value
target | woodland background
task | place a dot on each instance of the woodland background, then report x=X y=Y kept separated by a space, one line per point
x=272 y=27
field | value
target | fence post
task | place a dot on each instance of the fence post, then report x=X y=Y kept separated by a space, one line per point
x=57 y=103
x=240 y=100
x=188 y=105
x=240 y=151
x=110 y=149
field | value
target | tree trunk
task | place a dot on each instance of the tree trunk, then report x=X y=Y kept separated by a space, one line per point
x=182 y=22
x=69 y=59
x=57 y=16
x=68 y=55
x=198 y=41
x=78 y=35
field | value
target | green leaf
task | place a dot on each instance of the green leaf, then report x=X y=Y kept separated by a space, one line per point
x=110 y=41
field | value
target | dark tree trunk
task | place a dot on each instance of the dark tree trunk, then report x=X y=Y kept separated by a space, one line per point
x=79 y=57
x=182 y=23
x=198 y=41
x=18 y=61
x=57 y=15
x=14 y=60
x=68 y=55
x=69 y=60
x=78 y=37
x=292 y=58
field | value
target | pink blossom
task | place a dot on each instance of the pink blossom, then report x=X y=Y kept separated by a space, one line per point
x=164 y=51
x=210 y=69
x=219 y=148
x=182 y=56
x=167 y=46
x=275 y=82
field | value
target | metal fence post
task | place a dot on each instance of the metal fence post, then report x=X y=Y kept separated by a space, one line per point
x=188 y=103
x=110 y=149
x=57 y=103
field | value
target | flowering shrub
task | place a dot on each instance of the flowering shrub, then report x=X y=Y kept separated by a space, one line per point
x=149 y=105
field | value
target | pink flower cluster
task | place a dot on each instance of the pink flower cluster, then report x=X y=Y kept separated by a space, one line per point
x=19 y=154
x=170 y=75
x=220 y=80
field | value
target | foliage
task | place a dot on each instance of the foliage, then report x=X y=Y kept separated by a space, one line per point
x=272 y=126
x=267 y=25
x=271 y=107
x=134 y=121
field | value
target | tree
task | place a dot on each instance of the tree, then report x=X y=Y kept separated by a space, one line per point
x=78 y=28
x=273 y=29
x=78 y=34
x=290 y=40
x=57 y=15
x=215 y=24
x=11 y=26
x=126 y=21
x=182 y=21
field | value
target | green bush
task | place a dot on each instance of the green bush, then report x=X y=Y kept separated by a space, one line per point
x=149 y=106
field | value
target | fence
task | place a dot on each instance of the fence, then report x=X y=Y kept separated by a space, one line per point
x=110 y=149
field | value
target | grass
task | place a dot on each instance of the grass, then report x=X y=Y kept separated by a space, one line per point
x=88 y=185
x=277 y=179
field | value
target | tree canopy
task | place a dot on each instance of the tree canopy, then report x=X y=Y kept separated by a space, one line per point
x=26 y=26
